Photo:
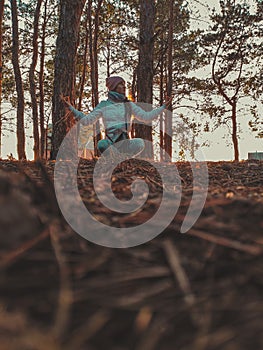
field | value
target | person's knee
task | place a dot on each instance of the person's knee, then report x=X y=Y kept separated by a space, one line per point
x=139 y=144
x=103 y=145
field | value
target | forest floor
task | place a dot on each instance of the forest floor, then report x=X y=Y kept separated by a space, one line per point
x=193 y=291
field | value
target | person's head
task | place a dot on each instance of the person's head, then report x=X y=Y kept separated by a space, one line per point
x=116 y=84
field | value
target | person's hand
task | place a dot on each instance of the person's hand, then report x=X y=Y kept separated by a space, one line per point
x=77 y=115
x=168 y=101
x=66 y=100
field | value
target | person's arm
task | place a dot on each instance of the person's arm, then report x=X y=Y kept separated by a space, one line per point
x=142 y=115
x=86 y=119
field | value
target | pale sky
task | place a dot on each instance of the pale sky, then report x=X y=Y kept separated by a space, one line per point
x=248 y=141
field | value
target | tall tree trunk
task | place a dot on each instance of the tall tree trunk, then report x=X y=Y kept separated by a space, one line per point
x=219 y=76
x=43 y=132
x=93 y=51
x=85 y=61
x=1 y=68
x=32 y=81
x=146 y=50
x=168 y=119
x=145 y=67
x=134 y=84
x=64 y=78
x=108 y=56
x=19 y=84
x=234 y=130
x=161 y=129
x=91 y=55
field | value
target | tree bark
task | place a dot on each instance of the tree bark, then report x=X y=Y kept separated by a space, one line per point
x=1 y=68
x=146 y=50
x=32 y=81
x=108 y=57
x=168 y=119
x=219 y=75
x=64 y=77
x=20 y=131
x=134 y=84
x=85 y=62
x=161 y=87
x=93 y=52
x=234 y=130
x=43 y=132
x=231 y=100
x=145 y=68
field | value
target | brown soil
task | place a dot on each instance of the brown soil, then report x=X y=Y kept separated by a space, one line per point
x=199 y=290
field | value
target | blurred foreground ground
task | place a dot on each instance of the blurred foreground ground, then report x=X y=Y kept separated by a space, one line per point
x=200 y=290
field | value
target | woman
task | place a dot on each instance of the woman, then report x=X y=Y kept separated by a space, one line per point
x=116 y=113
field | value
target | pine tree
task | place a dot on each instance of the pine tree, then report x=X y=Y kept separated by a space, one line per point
x=233 y=43
x=19 y=84
x=1 y=68
x=65 y=60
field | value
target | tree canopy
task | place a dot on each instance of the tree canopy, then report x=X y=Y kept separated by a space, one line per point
x=52 y=47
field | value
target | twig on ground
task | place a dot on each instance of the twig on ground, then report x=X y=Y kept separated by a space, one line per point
x=184 y=283
x=178 y=271
x=10 y=258
x=88 y=330
x=227 y=242
x=65 y=294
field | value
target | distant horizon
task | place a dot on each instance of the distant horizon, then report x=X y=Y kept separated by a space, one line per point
x=212 y=153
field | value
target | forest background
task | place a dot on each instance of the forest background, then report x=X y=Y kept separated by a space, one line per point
x=207 y=54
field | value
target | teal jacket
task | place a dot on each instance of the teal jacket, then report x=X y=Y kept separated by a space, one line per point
x=114 y=116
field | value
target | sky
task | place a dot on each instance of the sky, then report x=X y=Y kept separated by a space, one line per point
x=220 y=148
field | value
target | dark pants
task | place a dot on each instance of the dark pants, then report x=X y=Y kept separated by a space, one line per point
x=132 y=147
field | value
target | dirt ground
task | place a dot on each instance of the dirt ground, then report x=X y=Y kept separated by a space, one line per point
x=202 y=290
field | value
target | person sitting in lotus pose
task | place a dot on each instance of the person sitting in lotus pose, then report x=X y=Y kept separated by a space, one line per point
x=116 y=113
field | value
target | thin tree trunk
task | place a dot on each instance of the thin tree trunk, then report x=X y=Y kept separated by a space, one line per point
x=64 y=78
x=93 y=51
x=145 y=68
x=234 y=131
x=108 y=57
x=32 y=81
x=43 y=132
x=84 y=70
x=1 y=68
x=168 y=119
x=96 y=68
x=161 y=129
x=232 y=101
x=134 y=84
x=19 y=84
x=91 y=57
